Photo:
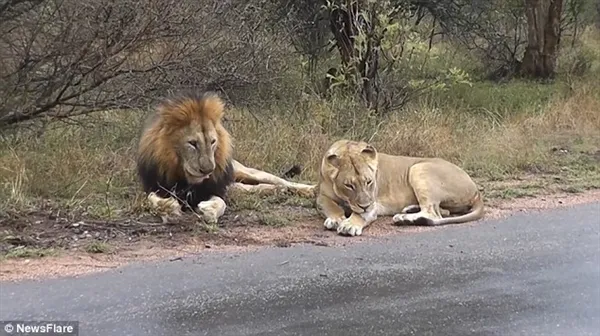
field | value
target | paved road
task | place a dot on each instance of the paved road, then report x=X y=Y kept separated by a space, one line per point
x=528 y=275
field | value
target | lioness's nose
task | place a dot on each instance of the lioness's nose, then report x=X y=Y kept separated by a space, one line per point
x=364 y=207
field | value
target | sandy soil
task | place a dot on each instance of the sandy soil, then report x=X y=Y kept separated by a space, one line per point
x=245 y=238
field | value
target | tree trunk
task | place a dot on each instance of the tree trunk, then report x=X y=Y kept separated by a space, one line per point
x=361 y=62
x=342 y=22
x=543 y=21
x=598 y=16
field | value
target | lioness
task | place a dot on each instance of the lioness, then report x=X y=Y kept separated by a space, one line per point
x=357 y=184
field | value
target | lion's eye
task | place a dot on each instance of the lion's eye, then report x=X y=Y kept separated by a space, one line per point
x=369 y=182
x=213 y=141
x=193 y=143
x=349 y=186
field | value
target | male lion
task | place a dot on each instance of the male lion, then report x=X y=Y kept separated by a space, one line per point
x=357 y=184
x=185 y=159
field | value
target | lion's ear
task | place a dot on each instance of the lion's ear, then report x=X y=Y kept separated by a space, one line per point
x=369 y=151
x=333 y=160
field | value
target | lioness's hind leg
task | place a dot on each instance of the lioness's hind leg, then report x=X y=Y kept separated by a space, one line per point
x=427 y=216
x=413 y=208
x=425 y=186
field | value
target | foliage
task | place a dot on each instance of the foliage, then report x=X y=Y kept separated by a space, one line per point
x=65 y=58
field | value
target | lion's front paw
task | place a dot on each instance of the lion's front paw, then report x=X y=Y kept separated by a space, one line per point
x=350 y=227
x=210 y=212
x=306 y=191
x=164 y=207
x=332 y=223
x=172 y=207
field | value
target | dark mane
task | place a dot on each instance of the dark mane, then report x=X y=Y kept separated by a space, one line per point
x=188 y=195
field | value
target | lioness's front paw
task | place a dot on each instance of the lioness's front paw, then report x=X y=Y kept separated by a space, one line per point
x=331 y=223
x=350 y=228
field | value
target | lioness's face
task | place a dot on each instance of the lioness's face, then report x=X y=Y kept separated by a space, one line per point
x=354 y=176
x=197 y=151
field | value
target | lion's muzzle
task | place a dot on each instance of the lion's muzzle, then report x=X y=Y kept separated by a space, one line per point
x=197 y=179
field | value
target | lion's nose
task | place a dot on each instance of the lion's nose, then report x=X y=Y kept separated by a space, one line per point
x=206 y=170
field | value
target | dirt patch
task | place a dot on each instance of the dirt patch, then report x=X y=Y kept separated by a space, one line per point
x=119 y=242
x=499 y=209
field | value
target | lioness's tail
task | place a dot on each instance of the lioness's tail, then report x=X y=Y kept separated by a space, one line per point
x=476 y=212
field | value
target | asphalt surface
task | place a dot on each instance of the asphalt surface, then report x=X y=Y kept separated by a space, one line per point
x=536 y=274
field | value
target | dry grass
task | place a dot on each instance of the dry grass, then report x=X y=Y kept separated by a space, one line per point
x=91 y=169
x=494 y=131
x=492 y=145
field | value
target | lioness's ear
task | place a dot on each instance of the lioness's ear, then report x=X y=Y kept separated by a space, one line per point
x=369 y=151
x=333 y=160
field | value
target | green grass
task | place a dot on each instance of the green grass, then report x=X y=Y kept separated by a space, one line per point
x=503 y=100
x=98 y=247
x=273 y=220
x=29 y=253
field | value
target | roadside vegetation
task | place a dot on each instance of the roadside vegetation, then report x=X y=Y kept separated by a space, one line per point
x=417 y=79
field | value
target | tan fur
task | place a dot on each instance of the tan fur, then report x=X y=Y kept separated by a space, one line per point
x=176 y=147
x=371 y=184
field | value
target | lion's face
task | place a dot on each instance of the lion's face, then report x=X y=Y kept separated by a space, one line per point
x=185 y=140
x=196 y=149
x=353 y=173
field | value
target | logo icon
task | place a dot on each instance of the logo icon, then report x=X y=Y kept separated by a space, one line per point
x=9 y=328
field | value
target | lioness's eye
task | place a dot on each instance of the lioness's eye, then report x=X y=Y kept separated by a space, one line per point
x=193 y=143
x=369 y=182
x=213 y=141
x=349 y=186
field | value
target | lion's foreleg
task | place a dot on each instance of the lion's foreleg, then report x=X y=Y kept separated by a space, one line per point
x=334 y=214
x=212 y=209
x=253 y=176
